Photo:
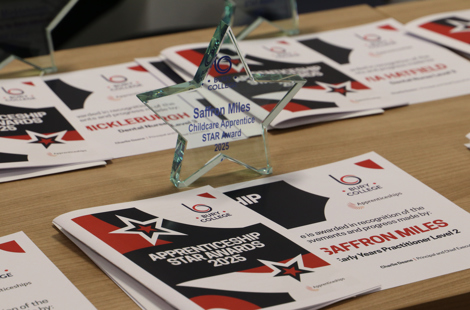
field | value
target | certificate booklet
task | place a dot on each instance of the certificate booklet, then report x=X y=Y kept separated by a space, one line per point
x=29 y=280
x=37 y=129
x=199 y=249
x=13 y=174
x=450 y=29
x=392 y=62
x=104 y=100
x=367 y=214
x=328 y=90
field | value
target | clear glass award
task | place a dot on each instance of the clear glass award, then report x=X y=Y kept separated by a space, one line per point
x=25 y=31
x=216 y=121
x=281 y=14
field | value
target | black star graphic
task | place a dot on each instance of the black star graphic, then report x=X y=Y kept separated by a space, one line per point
x=340 y=90
x=46 y=142
x=291 y=270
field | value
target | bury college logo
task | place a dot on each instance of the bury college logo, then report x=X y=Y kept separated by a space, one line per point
x=347 y=180
x=199 y=208
x=374 y=40
x=115 y=79
x=223 y=65
x=13 y=91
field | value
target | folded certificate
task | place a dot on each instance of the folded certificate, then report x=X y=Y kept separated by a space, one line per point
x=29 y=280
x=15 y=174
x=38 y=130
x=389 y=60
x=450 y=29
x=104 y=100
x=367 y=214
x=200 y=249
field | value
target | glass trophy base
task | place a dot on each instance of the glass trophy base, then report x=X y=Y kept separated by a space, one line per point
x=197 y=165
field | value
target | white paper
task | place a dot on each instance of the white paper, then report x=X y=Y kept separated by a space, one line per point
x=221 y=248
x=29 y=280
x=367 y=214
x=104 y=100
x=390 y=61
x=37 y=129
x=14 y=174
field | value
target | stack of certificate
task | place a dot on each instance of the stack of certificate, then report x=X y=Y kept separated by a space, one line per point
x=79 y=119
x=300 y=240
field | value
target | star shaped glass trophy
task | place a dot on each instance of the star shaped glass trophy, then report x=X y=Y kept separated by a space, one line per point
x=281 y=14
x=26 y=31
x=217 y=115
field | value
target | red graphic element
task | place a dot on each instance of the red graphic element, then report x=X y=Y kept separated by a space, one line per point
x=29 y=83
x=291 y=271
x=11 y=246
x=355 y=85
x=388 y=27
x=71 y=135
x=340 y=90
x=147 y=228
x=283 y=42
x=314 y=87
x=354 y=206
x=223 y=302
x=291 y=106
x=310 y=261
x=47 y=141
x=206 y=195
x=358 y=85
x=123 y=243
x=445 y=30
x=138 y=68
x=368 y=164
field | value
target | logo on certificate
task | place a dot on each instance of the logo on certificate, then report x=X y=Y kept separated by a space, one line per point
x=347 y=179
x=199 y=208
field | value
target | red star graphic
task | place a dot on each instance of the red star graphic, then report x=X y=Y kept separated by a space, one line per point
x=340 y=90
x=46 y=142
x=147 y=228
x=291 y=271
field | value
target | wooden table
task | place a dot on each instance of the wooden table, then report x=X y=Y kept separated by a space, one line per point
x=426 y=140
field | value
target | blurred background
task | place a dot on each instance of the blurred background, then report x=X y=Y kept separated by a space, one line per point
x=92 y=22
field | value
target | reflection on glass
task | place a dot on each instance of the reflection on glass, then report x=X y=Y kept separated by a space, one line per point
x=217 y=121
x=281 y=14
